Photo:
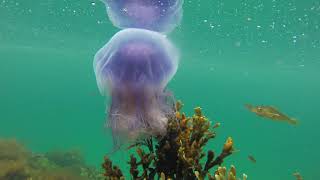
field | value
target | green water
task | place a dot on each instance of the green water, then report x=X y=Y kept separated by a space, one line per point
x=232 y=53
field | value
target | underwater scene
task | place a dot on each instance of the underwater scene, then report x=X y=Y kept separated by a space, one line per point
x=159 y=89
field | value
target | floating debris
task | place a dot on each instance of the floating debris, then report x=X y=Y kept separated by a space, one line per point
x=272 y=113
x=216 y=125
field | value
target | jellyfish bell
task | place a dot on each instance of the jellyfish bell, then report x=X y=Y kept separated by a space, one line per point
x=134 y=68
x=156 y=15
x=135 y=57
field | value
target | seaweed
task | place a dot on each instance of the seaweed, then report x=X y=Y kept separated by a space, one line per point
x=18 y=163
x=65 y=158
x=222 y=174
x=13 y=160
x=179 y=154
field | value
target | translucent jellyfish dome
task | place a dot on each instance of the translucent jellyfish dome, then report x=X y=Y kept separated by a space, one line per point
x=156 y=15
x=135 y=57
x=133 y=68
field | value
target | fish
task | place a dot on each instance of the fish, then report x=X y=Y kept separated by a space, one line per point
x=252 y=159
x=272 y=113
x=297 y=175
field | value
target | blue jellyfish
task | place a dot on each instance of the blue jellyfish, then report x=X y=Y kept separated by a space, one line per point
x=134 y=68
x=155 y=15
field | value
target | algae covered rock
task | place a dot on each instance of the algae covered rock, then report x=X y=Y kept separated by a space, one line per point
x=13 y=160
x=18 y=163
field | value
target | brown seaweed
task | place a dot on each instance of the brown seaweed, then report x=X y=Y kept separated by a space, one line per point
x=18 y=163
x=179 y=154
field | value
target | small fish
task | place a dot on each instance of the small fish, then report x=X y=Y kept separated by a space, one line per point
x=252 y=159
x=297 y=175
x=271 y=113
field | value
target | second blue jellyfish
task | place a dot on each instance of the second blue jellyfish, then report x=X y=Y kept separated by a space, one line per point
x=155 y=15
x=134 y=68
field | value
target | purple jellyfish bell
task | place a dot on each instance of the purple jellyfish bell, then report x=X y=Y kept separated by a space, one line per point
x=155 y=15
x=134 y=68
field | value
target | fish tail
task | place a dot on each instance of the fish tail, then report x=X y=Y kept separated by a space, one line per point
x=248 y=106
x=293 y=121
